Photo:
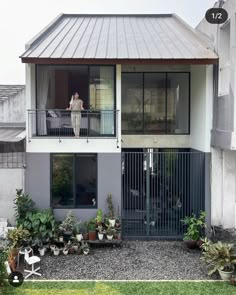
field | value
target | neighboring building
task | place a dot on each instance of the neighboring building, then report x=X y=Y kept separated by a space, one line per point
x=147 y=86
x=12 y=146
x=223 y=139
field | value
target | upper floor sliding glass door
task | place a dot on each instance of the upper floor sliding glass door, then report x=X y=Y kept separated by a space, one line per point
x=95 y=85
x=155 y=103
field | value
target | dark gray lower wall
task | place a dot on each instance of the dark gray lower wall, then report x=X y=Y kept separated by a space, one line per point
x=109 y=181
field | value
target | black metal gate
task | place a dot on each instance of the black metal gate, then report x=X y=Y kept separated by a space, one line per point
x=159 y=189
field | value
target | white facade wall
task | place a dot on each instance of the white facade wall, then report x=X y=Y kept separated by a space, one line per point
x=223 y=172
x=13 y=108
x=10 y=179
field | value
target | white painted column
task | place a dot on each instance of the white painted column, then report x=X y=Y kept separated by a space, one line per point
x=229 y=189
x=118 y=101
x=216 y=187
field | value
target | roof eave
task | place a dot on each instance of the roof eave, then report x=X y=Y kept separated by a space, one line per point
x=76 y=61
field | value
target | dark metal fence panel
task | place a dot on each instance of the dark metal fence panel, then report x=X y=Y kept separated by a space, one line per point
x=159 y=189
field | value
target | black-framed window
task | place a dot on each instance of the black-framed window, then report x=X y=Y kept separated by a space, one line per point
x=155 y=103
x=74 y=180
x=94 y=83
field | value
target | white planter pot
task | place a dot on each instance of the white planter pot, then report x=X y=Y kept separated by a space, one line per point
x=61 y=239
x=112 y=222
x=76 y=248
x=65 y=252
x=56 y=252
x=109 y=237
x=79 y=237
x=100 y=236
x=42 y=251
x=86 y=251
x=52 y=247
x=225 y=275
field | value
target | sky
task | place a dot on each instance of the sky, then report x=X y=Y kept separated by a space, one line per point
x=20 y=20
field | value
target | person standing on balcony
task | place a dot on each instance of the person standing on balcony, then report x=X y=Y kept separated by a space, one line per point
x=76 y=106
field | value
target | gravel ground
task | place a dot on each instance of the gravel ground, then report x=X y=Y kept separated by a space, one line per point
x=136 y=260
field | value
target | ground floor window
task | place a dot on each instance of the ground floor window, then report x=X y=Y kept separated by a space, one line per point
x=74 y=181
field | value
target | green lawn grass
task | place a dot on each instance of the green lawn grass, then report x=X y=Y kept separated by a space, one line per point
x=120 y=288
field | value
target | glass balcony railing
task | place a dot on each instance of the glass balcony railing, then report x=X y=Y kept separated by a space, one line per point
x=74 y=124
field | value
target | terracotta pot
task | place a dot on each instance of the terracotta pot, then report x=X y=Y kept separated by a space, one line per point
x=79 y=252
x=191 y=244
x=199 y=244
x=92 y=235
x=85 y=236
x=12 y=263
x=71 y=250
x=14 y=252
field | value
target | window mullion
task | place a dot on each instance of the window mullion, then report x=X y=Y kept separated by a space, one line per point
x=74 y=182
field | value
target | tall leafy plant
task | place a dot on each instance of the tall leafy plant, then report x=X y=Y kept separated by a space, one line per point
x=195 y=226
x=23 y=205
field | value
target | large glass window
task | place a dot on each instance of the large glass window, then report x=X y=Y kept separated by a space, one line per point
x=155 y=103
x=74 y=181
x=132 y=103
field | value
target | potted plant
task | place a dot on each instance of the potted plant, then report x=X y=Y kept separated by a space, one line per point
x=75 y=245
x=219 y=257
x=111 y=210
x=86 y=230
x=67 y=225
x=85 y=248
x=65 y=250
x=100 y=232
x=195 y=227
x=16 y=237
x=92 y=230
x=110 y=232
x=99 y=217
x=60 y=236
x=77 y=232
x=56 y=251
x=41 y=248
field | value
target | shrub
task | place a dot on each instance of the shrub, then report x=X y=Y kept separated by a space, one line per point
x=195 y=226
x=218 y=256
x=17 y=236
x=3 y=272
x=23 y=205
x=110 y=206
x=69 y=223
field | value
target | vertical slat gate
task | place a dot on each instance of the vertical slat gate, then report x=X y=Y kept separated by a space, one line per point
x=159 y=189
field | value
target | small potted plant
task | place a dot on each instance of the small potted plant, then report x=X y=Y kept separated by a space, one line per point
x=99 y=217
x=60 y=236
x=77 y=232
x=111 y=210
x=67 y=225
x=195 y=228
x=41 y=248
x=85 y=248
x=65 y=250
x=100 y=232
x=75 y=245
x=56 y=251
x=86 y=230
x=219 y=257
x=92 y=230
x=110 y=232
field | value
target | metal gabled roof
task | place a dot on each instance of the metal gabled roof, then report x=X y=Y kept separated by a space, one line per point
x=118 y=37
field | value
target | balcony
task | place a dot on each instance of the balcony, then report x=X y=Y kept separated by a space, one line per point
x=58 y=123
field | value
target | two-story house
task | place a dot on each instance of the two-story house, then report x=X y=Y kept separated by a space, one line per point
x=143 y=135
